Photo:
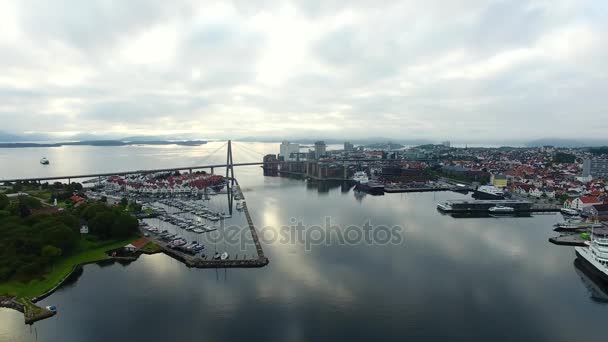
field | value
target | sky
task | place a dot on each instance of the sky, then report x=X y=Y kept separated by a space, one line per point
x=433 y=69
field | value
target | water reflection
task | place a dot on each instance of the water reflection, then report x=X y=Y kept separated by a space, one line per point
x=597 y=287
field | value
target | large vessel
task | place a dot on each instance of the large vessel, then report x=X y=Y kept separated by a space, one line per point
x=568 y=211
x=501 y=209
x=489 y=192
x=44 y=161
x=360 y=177
x=364 y=184
x=577 y=224
x=596 y=254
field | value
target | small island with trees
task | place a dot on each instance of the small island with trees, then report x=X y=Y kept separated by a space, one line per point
x=42 y=244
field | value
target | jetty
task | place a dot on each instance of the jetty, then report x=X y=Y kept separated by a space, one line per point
x=483 y=206
x=246 y=261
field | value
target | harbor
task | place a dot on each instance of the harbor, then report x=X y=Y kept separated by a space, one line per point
x=485 y=206
x=180 y=228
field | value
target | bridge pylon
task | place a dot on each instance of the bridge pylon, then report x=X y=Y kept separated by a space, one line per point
x=229 y=162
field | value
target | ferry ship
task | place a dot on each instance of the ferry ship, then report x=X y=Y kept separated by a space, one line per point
x=569 y=211
x=488 y=192
x=44 y=161
x=596 y=254
x=501 y=209
x=364 y=184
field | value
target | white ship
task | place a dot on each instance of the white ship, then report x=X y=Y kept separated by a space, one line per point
x=44 y=161
x=596 y=254
x=361 y=177
x=568 y=211
x=500 y=209
x=489 y=192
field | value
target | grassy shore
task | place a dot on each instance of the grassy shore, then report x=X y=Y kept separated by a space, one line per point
x=87 y=252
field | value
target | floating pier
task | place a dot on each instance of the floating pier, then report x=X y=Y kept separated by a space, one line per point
x=483 y=206
x=260 y=260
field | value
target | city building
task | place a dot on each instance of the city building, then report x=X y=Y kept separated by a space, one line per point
x=348 y=147
x=595 y=167
x=287 y=149
x=499 y=181
x=320 y=149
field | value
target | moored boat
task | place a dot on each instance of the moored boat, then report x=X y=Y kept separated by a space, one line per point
x=596 y=254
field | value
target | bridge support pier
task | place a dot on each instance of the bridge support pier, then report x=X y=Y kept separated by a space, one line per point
x=211 y=170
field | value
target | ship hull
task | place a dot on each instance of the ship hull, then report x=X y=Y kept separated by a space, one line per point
x=370 y=189
x=486 y=196
x=591 y=265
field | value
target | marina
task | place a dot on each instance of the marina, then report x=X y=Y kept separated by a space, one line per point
x=485 y=206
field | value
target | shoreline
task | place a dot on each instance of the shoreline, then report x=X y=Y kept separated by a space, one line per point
x=27 y=304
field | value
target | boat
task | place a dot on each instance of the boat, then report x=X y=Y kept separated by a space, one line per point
x=501 y=209
x=224 y=256
x=573 y=225
x=52 y=308
x=361 y=177
x=596 y=254
x=445 y=206
x=239 y=206
x=216 y=256
x=198 y=230
x=44 y=161
x=569 y=211
x=488 y=192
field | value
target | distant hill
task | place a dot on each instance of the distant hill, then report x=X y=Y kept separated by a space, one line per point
x=558 y=142
x=102 y=143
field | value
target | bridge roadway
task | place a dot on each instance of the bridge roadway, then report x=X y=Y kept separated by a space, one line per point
x=123 y=173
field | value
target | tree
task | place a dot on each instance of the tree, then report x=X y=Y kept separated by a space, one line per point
x=103 y=199
x=124 y=202
x=51 y=253
x=101 y=224
x=4 y=201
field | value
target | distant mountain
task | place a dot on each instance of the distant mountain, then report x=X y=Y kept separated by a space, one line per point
x=356 y=141
x=102 y=143
x=385 y=146
x=558 y=142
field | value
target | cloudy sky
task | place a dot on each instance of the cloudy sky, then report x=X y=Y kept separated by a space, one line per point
x=402 y=69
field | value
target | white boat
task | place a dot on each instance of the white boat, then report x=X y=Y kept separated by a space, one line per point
x=361 y=177
x=224 y=256
x=568 y=211
x=489 y=192
x=239 y=206
x=44 y=161
x=198 y=231
x=596 y=255
x=500 y=209
x=216 y=256
x=573 y=225
x=445 y=206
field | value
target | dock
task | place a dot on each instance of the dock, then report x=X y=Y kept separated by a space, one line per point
x=258 y=260
x=568 y=240
x=483 y=206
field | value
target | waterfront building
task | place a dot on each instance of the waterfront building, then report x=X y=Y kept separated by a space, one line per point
x=320 y=149
x=581 y=203
x=499 y=181
x=287 y=148
x=595 y=167
x=348 y=147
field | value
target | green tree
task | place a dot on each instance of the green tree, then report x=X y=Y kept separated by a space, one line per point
x=4 y=201
x=101 y=224
x=124 y=202
x=51 y=253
